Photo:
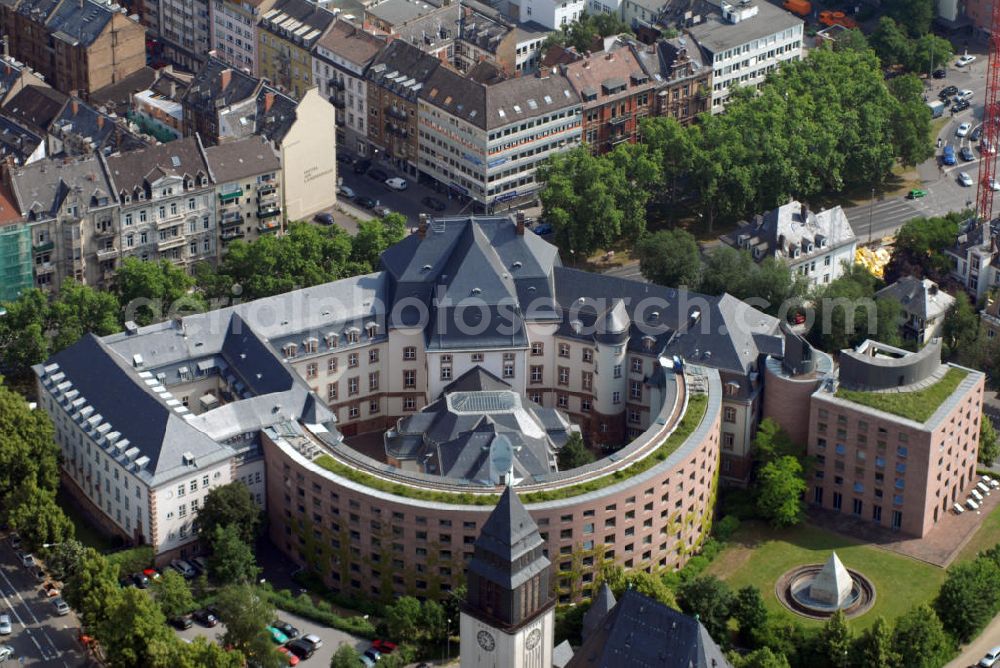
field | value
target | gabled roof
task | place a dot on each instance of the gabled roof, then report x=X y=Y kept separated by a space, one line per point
x=921 y=298
x=644 y=633
x=35 y=107
x=79 y=21
x=207 y=94
x=402 y=68
x=351 y=43
x=298 y=21
x=137 y=169
x=41 y=187
x=240 y=159
x=792 y=232
x=599 y=608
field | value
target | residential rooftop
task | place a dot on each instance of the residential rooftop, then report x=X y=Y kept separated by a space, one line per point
x=716 y=34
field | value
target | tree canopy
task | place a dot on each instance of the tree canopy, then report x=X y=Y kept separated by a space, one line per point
x=153 y=291
x=670 y=258
x=779 y=492
x=710 y=598
x=232 y=560
x=574 y=453
x=918 y=249
x=229 y=505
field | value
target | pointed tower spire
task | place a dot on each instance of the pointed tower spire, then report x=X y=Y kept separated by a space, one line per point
x=599 y=609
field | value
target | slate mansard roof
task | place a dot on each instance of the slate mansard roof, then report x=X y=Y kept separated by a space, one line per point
x=793 y=232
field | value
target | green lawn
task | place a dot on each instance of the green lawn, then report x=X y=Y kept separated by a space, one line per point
x=84 y=531
x=918 y=405
x=759 y=555
x=985 y=537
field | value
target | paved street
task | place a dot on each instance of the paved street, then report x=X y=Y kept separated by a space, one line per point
x=332 y=638
x=974 y=651
x=40 y=637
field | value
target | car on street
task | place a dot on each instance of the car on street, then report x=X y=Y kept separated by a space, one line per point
x=543 y=229
x=365 y=202
x=5 y=628
x=965 y=179
x=27 y=560
x=963 y=130
x=384 y=646
x=184 y=568
x=277 y=637
x=346 y=192
x=948 y=155
x=362 y=166
x=292 y=659
x=181 y=623
x=205 y=617
x=965 y=94
x=916 y=193
x=6 y=652
x=381 y=210
x=140 y=581
x=994 y=185
x=433 y=203
x=286 y=628
x=948 y=91
x=300 y=648
x=313 y=640
x=991 y=659
x=396 y=183
x=964 y=60
x=50 y=590
x=961 y=105
x=323 y=218
x=976 y=134
x=14 y=540
x=377 y=175
x=62 y=608
x=939 y=74
x=967 y=153
x=200 y=564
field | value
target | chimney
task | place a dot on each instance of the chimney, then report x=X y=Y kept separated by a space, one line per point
x=225 y=78
x=804 y=213
x=268 y=101
x=100 y=122
x=520 y=223
x=422 y=228
x=75 y=106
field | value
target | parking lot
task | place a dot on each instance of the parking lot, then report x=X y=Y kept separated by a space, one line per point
x=39 y=636
x=332 y=638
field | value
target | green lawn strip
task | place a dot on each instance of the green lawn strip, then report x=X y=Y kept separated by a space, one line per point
x=918 y=405
x=697 y=404
x=900 y=582
x=986 y=536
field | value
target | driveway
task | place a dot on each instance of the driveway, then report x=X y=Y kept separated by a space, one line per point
x=974 y=651
x=40 y=637
x=332 y=638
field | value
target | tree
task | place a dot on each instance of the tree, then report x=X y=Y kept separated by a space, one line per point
x=847 y=313
x=134 y=631
x=670 y=257
x=200 y=653
x=153 y=291
x=874 y=647
x=920 y=637
x=574 y=453
x=64 y=558
x=911 y=120
x=28 y=453
x=710 y=598
x=79 y=309
x=759 y=658
x=919 y=248
x=772 y=442
x=967 y=598
x=891 y=43
x=747 y=608
x=673 y=145
x=989 y=446
x=226 y=505
x=247 y=612
x=727 y=269
x=961 y=326
x=374 y=236
x=834 y=641
x=92 y=588
x=403 y=619
x=232 y=560
x=435 y=623
x=930 y=52
x=851 y=40
x=173 y=594
x=915 y=15
x=345 y=657
x=34 y=513
x=779 y=495
x=647 y=584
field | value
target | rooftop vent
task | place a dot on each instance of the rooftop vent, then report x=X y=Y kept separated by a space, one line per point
x=188 y=459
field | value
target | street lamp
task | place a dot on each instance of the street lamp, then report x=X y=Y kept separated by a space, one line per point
x=447 y=641
x=48 y=545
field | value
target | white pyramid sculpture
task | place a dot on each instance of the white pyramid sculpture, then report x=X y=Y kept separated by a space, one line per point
x=833 y=584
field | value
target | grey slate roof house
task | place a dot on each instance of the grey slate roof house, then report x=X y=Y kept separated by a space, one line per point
x=924 y=306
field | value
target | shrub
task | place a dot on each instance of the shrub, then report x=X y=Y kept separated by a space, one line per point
x=303 y=605
x=726 y=527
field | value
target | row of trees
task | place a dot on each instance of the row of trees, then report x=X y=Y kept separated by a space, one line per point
x=896 y=48
x=38 y=324
x=820 y=125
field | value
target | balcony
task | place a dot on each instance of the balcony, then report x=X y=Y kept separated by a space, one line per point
x=337 y=100
x=335 y=84
x=268 y=211
x=44 y=268
x=172 y=242
x=169 y=220
x=108 y=231
x=225 y=198
x=107 y=254
x=396 y=130
x=269 y=226
x=397 y=113
x=231 y=217
x=265 y=190
x=43 y=247
x=230 y=234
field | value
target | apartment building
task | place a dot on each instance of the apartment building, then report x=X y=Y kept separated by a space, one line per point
x=79 y=130
x=340 y=59
x=248 y=190
x=218 y=90
x=878 y=458
x=432 y=28
x=684 y=80
x=486 y=141
x=167 y=203
x=288 y=32
x=617 y=93
x=183 y=29
x=923 y=304
x=234 y=32
x=485 y=35
x=71 y=211
x=395 y=80
x=815 y=245
x=975 y=260
x=743 y=43
x=553 y=14
x=78 y=46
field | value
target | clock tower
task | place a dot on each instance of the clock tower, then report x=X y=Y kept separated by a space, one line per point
x=508 y=616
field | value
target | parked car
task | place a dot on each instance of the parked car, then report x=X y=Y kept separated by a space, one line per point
x=5 y=627
x=62 y=608
x=381 y=210
x=365 y=202
x=313 y=640
x=947 y=92
x=50 y=590
x=963 y=130
x=292 y=659
x=39 y=573
x=396 y=183
x=184 y=568
x=286 y=628
x=948 y=155
x=323 y=218
x=544 y=228
x=277 y=637
x=301 y=648
x=6 y=652
x=344 y=159
x=373 y=654
x=362 y=166
x=181 y=623
x=140 y=581
x=965 y=179
x=965 y=94
x=15 y=541
x=384 y=646
x=991 y=659
x=377 y=175
x=433 y=203
x=346 y=192
x=961 y=105
x=964 y=60
x=967 y=153
x=205 y=617
x=916 y=193
x=28 y=560
x=200 y=564
x=976 y=134
x=939 y=74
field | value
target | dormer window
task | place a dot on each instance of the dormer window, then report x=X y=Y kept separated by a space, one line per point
x=796 y=252
x=372 y=330
x=352 y=335
x=809 y=248
x=310 y=345
x=648 y=342
x=290 y=350
x=331 y=340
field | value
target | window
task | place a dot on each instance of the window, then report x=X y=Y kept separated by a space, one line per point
x=585 y=405
x=729 y=414
x=352 y=386
x=728 y=441
x=477 y=358
x=352 y=361
x=508 y=367
x=616 y=397
x=563 y=350
x=331 y=365
x=635 y=390
x=331 y=392
x=636 y=365
x=353 y=412
x=537 y=349
x=409 y=379
x=373 y=356
x=588 y=355
x=562 y=401
x=618 y=371
x=373 y=407
x=373 y=381
x=410 y=353
x=587 y=378
x=564 y=375
x=536 y=374
x=445 y=367
x=409 y=404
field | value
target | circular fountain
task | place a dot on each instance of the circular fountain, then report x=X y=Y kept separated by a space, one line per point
x=819 y=590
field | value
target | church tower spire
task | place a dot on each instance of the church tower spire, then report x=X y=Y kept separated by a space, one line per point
x=508 y=619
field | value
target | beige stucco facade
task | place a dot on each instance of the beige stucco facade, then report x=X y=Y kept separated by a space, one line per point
x=309 y=158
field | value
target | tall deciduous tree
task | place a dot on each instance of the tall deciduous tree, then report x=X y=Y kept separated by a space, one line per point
x=153 y=291
x=246 y=612
x=920 y=637
x=574 y=453
x=374 y=236
x=989 y=445
x=618 y=579
x=670 y=257
x=232 y=560
x=33 y=512
x=961 y=326
x=134 y=633
x=229 y=505
x=834 y=642
x=747 y=608
x=967 y=598
x=779 y=493
x=874 y=647
x=891 y=43
x=919 y=248
x=710 y=598
x=404 y=619
x=345 y=657
x=759 y=658
x=173 y=594
x=915 y=15
x=93 y=588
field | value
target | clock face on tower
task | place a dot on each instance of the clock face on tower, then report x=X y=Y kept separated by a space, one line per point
x=533 y=638
x=486 y=640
